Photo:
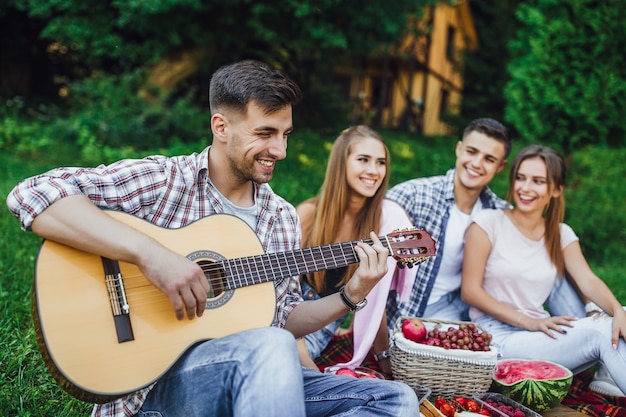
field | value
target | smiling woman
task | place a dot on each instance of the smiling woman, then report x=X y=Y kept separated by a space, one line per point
x=350 y=204
x=513 y=259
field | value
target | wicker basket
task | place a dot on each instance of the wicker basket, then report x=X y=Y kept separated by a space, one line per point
x=445 y=372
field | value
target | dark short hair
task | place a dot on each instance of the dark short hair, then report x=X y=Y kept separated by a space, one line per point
x=492 y=128
x=234 y=86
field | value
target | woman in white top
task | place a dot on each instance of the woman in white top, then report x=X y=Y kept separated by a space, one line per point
x=512 y=260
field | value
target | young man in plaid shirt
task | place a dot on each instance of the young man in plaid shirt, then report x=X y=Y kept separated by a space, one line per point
x=254 y=372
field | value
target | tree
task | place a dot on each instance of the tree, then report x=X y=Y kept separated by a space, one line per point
x=135 y=32
x=177 y=44
x=568 y=73
x=485 y=74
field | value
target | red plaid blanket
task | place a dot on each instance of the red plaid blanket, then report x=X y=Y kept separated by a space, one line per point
x=583 y=400
x=579 y=397
x=340 y=350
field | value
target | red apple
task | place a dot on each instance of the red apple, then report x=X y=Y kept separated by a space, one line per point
x=414 y=329
x=347 y=372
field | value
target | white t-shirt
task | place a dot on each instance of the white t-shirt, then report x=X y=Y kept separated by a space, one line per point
x=449 y=274
x=518 y=271
x=247 y=214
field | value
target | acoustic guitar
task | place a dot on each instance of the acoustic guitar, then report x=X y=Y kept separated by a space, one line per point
x=104 y=330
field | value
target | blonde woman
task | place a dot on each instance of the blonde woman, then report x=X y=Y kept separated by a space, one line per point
x=350 y=203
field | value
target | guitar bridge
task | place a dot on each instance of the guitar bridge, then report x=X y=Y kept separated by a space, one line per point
x=117 y=298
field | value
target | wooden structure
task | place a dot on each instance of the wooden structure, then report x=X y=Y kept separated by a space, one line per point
x=413 y=85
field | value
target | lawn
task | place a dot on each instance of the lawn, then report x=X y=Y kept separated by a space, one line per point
x=27 y=389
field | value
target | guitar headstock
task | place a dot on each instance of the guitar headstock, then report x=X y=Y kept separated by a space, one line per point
x=411 y=246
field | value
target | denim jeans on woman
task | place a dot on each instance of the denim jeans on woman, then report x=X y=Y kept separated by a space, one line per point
x=563 y=300
x=258 y=373
x=317 y=341
x=584 y=344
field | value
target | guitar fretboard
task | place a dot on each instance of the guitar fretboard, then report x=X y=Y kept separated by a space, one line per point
x=252 y=270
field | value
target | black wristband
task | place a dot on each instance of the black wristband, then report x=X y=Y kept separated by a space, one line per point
x=352 y=306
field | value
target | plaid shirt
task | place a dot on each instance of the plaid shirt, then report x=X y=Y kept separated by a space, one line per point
x=167 y=192
x=427 y=201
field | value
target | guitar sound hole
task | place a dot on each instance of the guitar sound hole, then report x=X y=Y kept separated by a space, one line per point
x=215 y=275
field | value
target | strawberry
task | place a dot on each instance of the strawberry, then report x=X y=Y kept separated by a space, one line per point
x=447 y=410
x=472 y=406
x=439 y=401
x=461 y=401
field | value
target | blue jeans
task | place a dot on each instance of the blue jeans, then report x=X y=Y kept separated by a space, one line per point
x=584 y=344
x=236 y=375
x=448 y=307
x=258 y=373
x=563 y=300
x=317 y=341
x=332 y=395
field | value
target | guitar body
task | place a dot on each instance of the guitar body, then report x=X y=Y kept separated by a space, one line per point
x=74 y=321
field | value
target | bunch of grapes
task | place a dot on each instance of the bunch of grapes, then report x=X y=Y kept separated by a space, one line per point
x=467 y=337
x=508 y=410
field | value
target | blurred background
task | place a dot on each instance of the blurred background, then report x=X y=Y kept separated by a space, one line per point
x=135 y=73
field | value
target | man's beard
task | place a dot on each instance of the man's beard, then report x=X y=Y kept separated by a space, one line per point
x=248 y=172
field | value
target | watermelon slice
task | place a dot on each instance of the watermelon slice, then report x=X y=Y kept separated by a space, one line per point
x=539 y=385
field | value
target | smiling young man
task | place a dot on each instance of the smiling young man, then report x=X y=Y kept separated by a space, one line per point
x=444 y=205
x=250 y=372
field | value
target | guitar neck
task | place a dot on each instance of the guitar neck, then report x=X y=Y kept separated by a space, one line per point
x=241 y=272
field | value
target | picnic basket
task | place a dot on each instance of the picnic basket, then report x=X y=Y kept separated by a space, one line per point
x=446 y=372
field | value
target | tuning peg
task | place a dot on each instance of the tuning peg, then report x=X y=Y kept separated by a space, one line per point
x=400 y=264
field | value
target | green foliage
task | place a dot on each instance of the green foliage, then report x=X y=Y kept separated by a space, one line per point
x=595 y=197
x=109 y=109
x=121 y=32
x=107 y=121
x=484 y=70
x=612 y=273
x=307 y=39
x=135 y=32
x=22 y=128
x=26 y=388
x=568 y=73
x=10 y=129
x=322 y=108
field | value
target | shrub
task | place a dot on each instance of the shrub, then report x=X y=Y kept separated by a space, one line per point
x=595 y=198
x=110 y=113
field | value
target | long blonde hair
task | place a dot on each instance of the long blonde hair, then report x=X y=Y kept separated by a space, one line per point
x=332 y=201
x=555 y=211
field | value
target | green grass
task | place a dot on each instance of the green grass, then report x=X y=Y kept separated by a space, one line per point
x=26 y=388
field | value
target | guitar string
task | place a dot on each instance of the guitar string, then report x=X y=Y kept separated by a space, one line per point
x=216 y=267
x=340 y=247
x=148 y=294
x=139 y=291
